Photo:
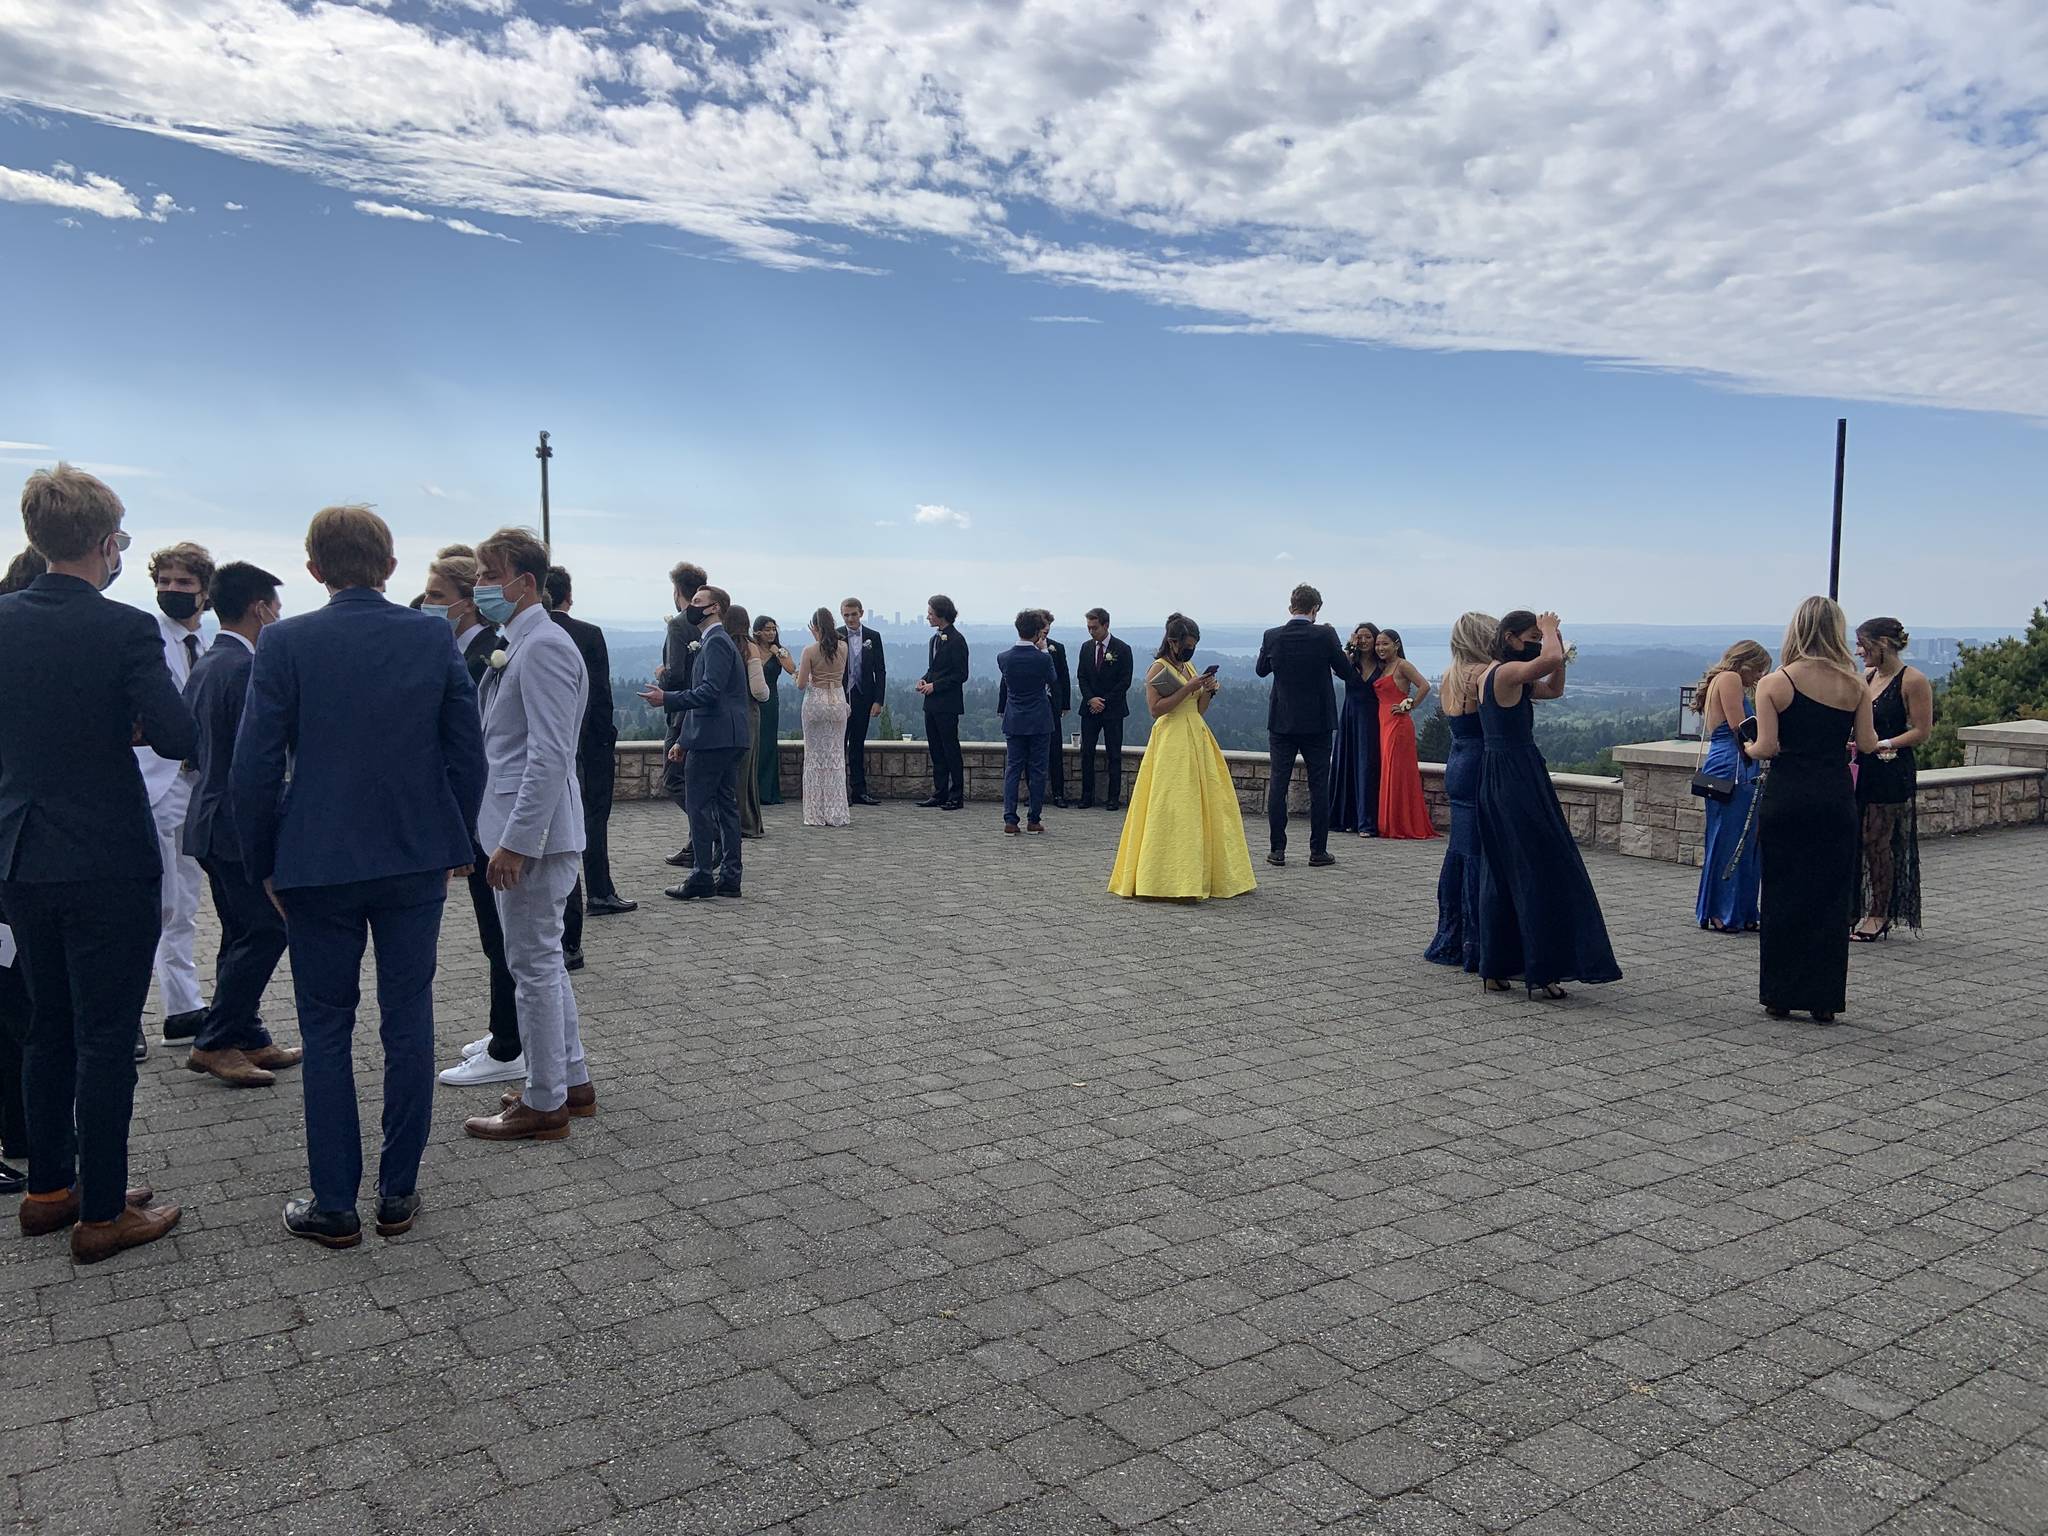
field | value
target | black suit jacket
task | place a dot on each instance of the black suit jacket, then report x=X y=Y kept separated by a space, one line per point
x=947 y=673
x=1111 y=682
x=215 y=693
x=874 y=668
x=600 y=723
x=679 y=663
x=1062 y=678
x=83 y=674
x=1301 y=658
x=478 y=657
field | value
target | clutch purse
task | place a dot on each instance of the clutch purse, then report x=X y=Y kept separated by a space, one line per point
x=1713 y=786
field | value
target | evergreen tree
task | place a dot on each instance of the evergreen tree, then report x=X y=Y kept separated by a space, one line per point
x=2005 y=680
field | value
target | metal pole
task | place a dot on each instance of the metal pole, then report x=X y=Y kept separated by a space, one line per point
x=543 y=453
x=1835 y=549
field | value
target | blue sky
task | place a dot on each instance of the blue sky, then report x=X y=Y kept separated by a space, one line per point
x=772 y=369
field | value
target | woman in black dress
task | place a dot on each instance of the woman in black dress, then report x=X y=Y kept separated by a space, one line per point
x=1902 y=714
x=1355 y=765
x=1806 y=714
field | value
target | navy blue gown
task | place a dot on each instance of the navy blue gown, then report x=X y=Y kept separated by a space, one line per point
x=1355 y=765
x=1457 y=886
x=1538 y=916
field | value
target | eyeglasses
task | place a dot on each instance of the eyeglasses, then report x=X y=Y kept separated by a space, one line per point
x=122 y=540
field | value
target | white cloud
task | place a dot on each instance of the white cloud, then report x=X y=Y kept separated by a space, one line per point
x=232 y=207
x=1282 y=557
x=930 y=515
x=464 y=227
x=8 y=447
x=1064 y=320
x=1831 y=197
x=379 y=210
x=64 y=187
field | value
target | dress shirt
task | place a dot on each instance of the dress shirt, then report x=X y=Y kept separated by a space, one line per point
x=853 y=658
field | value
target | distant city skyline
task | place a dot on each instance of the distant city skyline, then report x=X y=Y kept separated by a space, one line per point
x=1160 y=310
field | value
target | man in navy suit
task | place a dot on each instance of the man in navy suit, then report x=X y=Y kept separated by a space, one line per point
x=378 y=717
x=867 y=690
x=943 y=685
x=1301 y=656
x=1025 y=698
x=85 y=681
x=232 y=1043
x=714 y=735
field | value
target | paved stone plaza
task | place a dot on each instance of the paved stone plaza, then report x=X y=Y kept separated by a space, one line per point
x=933 y=1189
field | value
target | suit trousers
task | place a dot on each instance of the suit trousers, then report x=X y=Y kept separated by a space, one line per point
x=251 y=943
x=1111 y=730
x=85 y=949
x=857 y=723
x=491 y=938
x=13 y=1041
x=177 y=978
x=328 y=927
x=1025 y=757
x=594 y=777
x=531 y=913
x=1056 y=760
x=711 y=797
x=1314 y=750
x=949 y=781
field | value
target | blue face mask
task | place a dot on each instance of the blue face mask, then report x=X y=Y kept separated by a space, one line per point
x=435 y=611
x=494 y=605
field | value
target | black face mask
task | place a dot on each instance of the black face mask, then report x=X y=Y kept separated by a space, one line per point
x=1528 y=652
x=178 y=605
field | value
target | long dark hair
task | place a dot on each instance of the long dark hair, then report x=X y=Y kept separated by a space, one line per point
x=828 y=633
x=1395 y=636
x=1363 y=658
x=1180 y=629
x=736 y=624
x=1511 y=624
x=24 y=568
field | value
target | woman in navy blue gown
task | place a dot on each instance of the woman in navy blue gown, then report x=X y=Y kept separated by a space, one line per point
x=1457 y=886
x=1538 y=916
x=1731 y=868
x=1355 y=765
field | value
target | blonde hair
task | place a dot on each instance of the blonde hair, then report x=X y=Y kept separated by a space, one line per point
x=459 y=571
x=67 y=513
x=351 y=545
x=519 y=550
x=1818 y=632
x=1743 y=656
x=1471 y=649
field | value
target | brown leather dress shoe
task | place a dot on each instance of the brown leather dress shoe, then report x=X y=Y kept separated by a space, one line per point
x=231 y=1067
x=272 y=1058
x=581 y=1103
x=519 y=1123
x=92 y=1241
x=39 y=1218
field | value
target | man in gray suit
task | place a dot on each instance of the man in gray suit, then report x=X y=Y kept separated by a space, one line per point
x=532 y=820
x=714 y=736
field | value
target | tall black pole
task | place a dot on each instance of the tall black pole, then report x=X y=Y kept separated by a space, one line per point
x=543 y=453
x=1834 y=550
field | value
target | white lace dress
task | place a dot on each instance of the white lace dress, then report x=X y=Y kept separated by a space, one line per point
x=824 y=716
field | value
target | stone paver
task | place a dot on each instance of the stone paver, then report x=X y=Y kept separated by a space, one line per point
x=934 y=1189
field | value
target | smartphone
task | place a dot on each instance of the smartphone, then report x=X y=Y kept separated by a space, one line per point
x=1212 y=669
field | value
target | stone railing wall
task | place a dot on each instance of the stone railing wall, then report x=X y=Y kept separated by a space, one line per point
x=2000 y=784
x=900 y=770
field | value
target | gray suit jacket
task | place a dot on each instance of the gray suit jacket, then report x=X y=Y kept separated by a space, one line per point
x=532 y=710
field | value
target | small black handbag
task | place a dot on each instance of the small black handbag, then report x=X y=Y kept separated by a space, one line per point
x=1720 y=788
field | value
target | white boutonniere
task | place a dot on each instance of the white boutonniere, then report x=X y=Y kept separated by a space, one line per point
x=1109 y=655
x=498 y=660
x=696 y=646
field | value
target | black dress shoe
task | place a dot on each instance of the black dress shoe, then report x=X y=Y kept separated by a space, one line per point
x=1059 y=803
x=1084 y=805
x=729 y=890
x=1321 y=860
x=682 y=858
x=395 y=1213
x=1112 y=805
x=12 y=1180
x=690 y=890
x=931 y=803
x=141 y=1044
x=608 y=906
x=330 y=1229
x=184 y=1026
x=954 y=805
x=572 y=959
x=1276 y=858
x=864 y=798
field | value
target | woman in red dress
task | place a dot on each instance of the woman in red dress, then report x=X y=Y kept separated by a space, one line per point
x=1401 y=686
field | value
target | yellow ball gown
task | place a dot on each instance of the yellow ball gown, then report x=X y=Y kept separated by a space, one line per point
x=1183 y=834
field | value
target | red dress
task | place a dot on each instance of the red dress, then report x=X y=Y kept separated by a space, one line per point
x=1403 y=811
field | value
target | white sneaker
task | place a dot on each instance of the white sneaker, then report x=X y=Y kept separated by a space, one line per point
x=481 y=1068
x=476 y=1047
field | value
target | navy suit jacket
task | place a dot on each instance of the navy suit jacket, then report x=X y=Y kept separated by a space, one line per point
x=215 y=694
x=386 y=754
x=1029 y=678
x=82 y=674
x=714 y=707
x=1301 y=657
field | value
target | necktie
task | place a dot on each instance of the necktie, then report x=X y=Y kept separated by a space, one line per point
x=191 y=652
x=1098 y=655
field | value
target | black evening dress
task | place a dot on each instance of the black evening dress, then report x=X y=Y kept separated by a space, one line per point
x=1355 y=765
x=1537 y=915
x=1806 y=830
x=1457 y=884
x=1889 y=849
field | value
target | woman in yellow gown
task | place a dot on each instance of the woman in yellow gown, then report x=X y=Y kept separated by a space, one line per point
x=1183 y=834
